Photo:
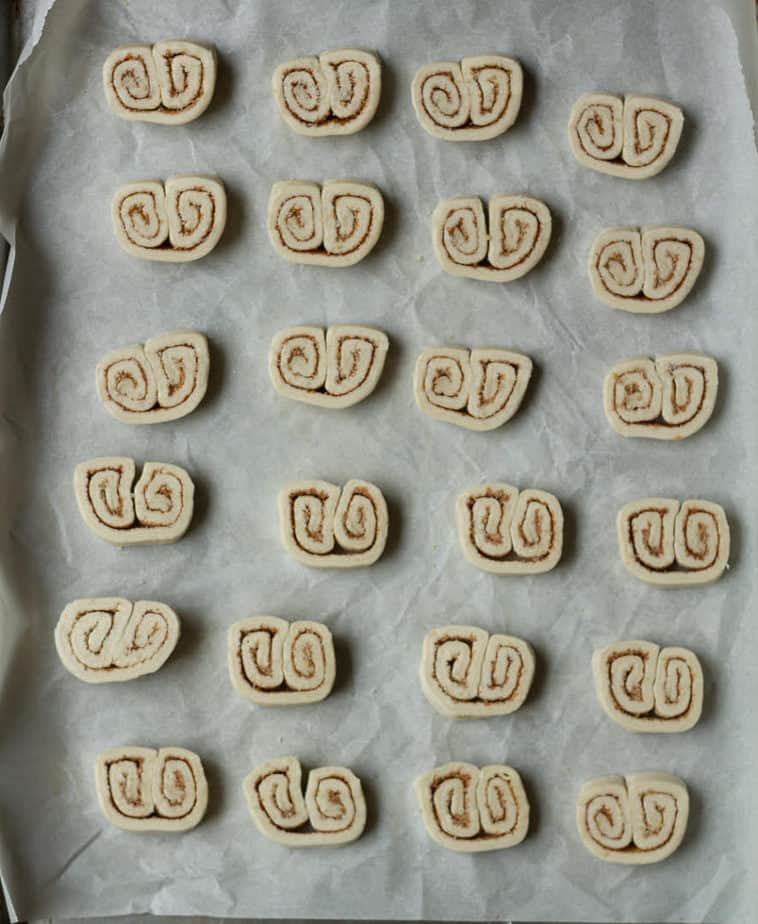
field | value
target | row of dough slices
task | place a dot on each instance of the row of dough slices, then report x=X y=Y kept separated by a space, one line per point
x=338 y=92
x=669 y=397
x=640 y=819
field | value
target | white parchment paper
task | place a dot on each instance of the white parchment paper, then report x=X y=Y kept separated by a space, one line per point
x=74 y=295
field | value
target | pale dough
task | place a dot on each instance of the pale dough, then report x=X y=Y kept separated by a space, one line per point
x=141 y=789
x=335 y=226
x=277 y=663
x=109 y=639
x=471 y=810
x=334 y=807
x=673 y=545
x=478 y=390
x=177 y=223
x=636 y=820
x=633 y=138
x=327 y=527
x=645 y=270
x=506 y=531
x=505 y=248
x=170 y=82
x=475 y=100
x=336 y=93
x=468 y=673
x=668 y=398
x=645 y=688
x=163 y=380
x=335 y=370
x=157 y=510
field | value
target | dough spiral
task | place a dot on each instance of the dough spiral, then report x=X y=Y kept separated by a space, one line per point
x=471 y=810
x=334 y=806
x=646 y=688
x=336 y=226
x=467 y=673
x=335 y=370
x=277 y=663
x=336 y=93
x=645 y=271
x=668 y=398
x=673 y=545
x=328 y=527
x=158 y=511
x=517 y=238
x=170 y=82
x=633 y=138
x=636 y=820
x=504 y=531
x=108 y=639
x=142 y=789
x=478 y=390
x=475 y=100
x=163 y=380
x=177 y=223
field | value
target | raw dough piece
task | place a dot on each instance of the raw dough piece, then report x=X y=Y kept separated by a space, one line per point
x=277 y=663
x=334 y=371
x=468 y=673
x=170 y=82
x=334 y=807
x=478 y=390
x=109 y=639
x=337 y=226
x=634 y=138
x=177 y=224
x=668 y=398
x=505 y=531
x=645 y=688
x=637 y=820
x=164 y=380
x=519 y=232
x=334 y=94
x=475 y=100
x=670 y=545
x=141 y=789
x=159 y=509
x=325 y=527
x=470 y=810
x=645 y=271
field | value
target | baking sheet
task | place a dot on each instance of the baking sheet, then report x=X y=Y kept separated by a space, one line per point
x=74 y=295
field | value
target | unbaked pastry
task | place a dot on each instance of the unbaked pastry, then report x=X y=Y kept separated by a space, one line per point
x=277 y=663
x=335 y=370
x=668 y=398
x=335 y=226
x=479 y=389
x=177 y=223
x=506 y=531
x=109 y=639
x=157 y=510
x=468 y=673
x=327 y=527
x=637 y=820
x=170 y=82
x=333 y=812
x=634 y=137
x=673 y=545
x=508 y=247
x=335 y=93
x=141 y=789
x=475 y=100
x=471 y=810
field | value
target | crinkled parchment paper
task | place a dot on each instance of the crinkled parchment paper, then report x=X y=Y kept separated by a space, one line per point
x=74 y=294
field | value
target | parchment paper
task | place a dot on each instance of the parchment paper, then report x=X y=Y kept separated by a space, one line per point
x=74 y=295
